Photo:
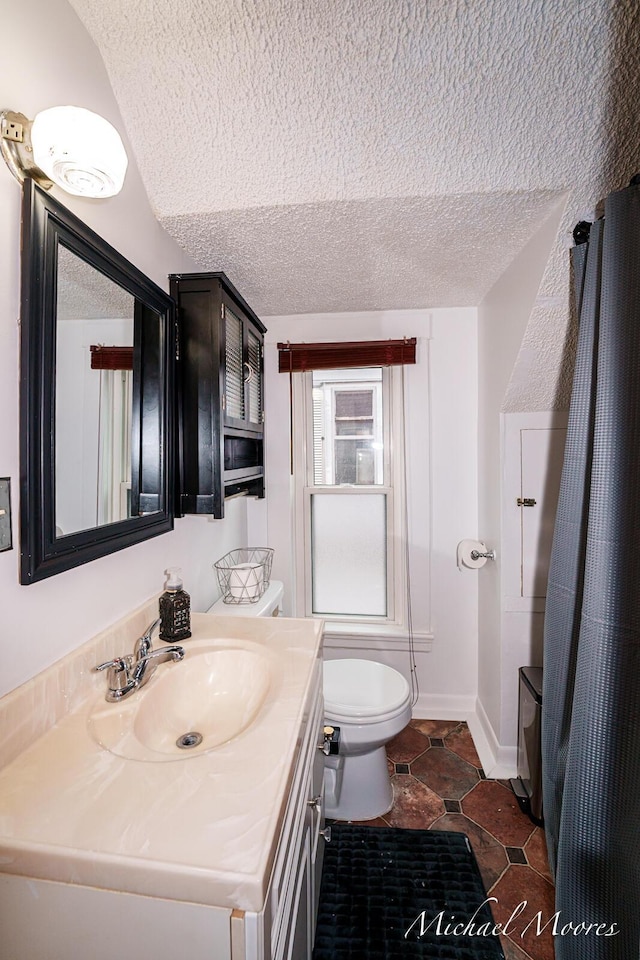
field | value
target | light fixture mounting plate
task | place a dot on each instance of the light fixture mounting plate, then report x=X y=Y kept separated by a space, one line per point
x=15 y=147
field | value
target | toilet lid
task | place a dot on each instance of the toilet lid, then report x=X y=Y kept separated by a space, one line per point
x=361 y=689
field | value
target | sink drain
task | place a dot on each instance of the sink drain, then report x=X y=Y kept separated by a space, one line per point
x=187 y=740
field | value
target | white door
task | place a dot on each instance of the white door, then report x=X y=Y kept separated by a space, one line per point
x=541 y=454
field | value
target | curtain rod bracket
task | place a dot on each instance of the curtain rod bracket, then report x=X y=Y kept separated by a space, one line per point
x=581 y=232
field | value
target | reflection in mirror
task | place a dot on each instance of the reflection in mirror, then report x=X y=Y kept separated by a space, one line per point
x=93 y=399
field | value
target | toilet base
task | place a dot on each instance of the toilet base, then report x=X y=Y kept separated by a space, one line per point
x=365 y=792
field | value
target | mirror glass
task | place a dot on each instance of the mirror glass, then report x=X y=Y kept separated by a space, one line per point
x=93 y=399
x=96 y=396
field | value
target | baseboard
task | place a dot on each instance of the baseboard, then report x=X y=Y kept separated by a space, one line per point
x=498 y=762
x=438 y=706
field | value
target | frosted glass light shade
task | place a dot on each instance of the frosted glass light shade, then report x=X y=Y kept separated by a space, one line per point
x=80 y=151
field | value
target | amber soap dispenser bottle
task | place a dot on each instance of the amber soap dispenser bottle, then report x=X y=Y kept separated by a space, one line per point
x=175 y=608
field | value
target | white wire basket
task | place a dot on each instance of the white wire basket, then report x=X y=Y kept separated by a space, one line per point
x=244 y=574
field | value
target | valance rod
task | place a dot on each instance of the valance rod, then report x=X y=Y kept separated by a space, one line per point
x=297 y=357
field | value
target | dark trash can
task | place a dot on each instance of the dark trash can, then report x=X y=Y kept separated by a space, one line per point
x=527 y=786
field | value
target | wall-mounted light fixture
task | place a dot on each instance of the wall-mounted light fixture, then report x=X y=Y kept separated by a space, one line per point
x=70 y=146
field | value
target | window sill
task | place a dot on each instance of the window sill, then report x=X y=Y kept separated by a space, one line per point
x=374 y=636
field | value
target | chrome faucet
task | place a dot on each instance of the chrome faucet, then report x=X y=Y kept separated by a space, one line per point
x=129 y=673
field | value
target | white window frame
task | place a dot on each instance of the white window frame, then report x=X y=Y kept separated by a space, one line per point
x=114 y=446
x=392 y=487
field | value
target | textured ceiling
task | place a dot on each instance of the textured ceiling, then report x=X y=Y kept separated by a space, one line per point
x=86 y=294
x=350 y=155
x=364 y=254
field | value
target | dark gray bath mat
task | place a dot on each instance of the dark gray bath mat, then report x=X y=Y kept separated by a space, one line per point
x=390 y=893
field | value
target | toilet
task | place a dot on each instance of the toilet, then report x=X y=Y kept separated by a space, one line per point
x=370 y=703
x=268 y=605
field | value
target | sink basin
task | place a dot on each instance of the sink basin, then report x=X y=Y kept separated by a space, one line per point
x=189 y=707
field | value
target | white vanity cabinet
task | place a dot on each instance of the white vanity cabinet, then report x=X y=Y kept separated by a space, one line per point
x=213 y=859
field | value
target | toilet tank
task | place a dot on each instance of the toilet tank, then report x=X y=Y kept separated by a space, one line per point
x=268 y=605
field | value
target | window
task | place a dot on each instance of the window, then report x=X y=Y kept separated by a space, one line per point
x=348 y=494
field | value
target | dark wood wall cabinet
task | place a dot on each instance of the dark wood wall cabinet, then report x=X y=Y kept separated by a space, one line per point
x=221 y=393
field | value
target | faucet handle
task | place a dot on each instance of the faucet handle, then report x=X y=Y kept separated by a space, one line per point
x=118 y=664
x=118 y=676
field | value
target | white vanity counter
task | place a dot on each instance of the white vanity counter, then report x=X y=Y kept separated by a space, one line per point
x=202 y=829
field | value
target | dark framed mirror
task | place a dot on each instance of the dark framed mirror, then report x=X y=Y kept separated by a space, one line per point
x=97 y=353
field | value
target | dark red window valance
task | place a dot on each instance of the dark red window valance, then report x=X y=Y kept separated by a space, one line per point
x=111 y=358
x=297 y=357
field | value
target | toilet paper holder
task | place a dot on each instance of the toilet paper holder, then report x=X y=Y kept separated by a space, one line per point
x=477 y=555
x=473 y=554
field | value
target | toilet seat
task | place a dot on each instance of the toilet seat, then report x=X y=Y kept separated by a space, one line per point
x=363 y=691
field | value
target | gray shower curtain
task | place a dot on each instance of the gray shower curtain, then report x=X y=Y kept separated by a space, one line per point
x=591 y=694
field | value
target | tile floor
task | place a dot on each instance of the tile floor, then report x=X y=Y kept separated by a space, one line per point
x=438 y=784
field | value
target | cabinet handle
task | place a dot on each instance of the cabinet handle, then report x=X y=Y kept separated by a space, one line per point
x=249 y=376
x=315 y=802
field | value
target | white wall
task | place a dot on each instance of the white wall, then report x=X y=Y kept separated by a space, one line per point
x=502 y=319
x=48 y=59
x=78 y=417
x=442 y=404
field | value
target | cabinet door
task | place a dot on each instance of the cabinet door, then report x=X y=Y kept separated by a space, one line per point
x=200 y=387
x=299 y=943
x=254 y=379
x=294 y=941
x=316 y=816
x=541 y=453
x=243 y=377
x=234 y=410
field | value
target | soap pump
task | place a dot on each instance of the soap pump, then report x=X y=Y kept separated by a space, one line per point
x=175 y=608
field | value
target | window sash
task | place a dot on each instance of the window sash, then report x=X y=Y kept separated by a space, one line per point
x=381 y=411
x=351 y=490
